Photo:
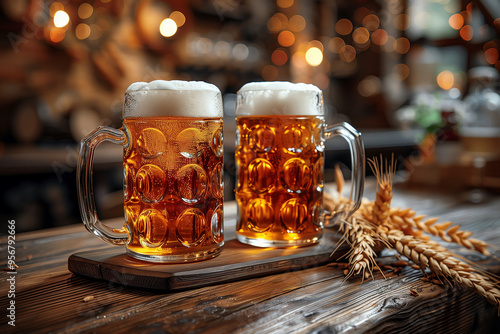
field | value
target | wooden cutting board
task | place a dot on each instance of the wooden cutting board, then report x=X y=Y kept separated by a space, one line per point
x=237 y=261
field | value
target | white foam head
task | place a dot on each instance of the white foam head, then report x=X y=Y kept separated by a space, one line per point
x=172 y=98
x=279 y=98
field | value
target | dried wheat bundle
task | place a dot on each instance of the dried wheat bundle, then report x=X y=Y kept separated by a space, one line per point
x=375 y=223
x=360 y=235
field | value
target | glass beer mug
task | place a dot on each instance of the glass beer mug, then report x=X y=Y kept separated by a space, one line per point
x=279 y=156
x=172 y=172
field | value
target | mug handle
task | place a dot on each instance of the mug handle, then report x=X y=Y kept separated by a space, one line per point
x=356 y=146
x=85 y=186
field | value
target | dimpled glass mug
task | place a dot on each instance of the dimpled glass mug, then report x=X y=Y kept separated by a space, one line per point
x=279 y=157
x=173 y=172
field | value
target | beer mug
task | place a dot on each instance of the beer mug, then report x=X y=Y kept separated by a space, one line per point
x=280 y=144
x=172 y=172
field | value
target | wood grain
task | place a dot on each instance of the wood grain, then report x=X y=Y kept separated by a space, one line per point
x=315 y=300
x=236 y=261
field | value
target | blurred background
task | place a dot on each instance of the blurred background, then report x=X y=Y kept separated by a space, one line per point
x=419 y=79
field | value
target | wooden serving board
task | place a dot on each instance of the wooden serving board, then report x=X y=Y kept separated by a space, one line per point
x=237 y=261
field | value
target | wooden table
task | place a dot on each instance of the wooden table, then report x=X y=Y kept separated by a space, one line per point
x=316 y=300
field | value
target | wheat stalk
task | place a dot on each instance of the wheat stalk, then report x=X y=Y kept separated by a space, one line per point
x=360 y=234
x=404 y=230
x=442 y=264
x=382 y=204
x=446 y=231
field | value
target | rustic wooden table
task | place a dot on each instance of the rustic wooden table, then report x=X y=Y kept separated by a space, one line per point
x=48 y=298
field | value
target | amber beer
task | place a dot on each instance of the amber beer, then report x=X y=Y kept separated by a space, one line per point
x=173 y=186
x=173 y=172
x=279 y=155
x=280 y=178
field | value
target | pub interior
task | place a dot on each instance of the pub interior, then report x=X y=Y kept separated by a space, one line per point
x=399 y=71
x=420 y=79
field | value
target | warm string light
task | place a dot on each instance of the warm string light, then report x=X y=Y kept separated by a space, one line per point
x=445 y=80
x=61 y=19
x=168 y=27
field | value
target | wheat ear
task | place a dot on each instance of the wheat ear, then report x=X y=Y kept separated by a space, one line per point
x=442 y=264
x=384 y=175
x=446 y=231
x=360 y=234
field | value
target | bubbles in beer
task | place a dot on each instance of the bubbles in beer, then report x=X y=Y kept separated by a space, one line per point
x=190 y=142
x=295 y=175
x=261 y=175
x=296 y=138
x=191 y=183
x=217 y=181
x=150 y=182
x=151 y=142
x=216 y=224
x=261 y=138
x=190 y=227
x=152 y=228
x=293 y=214
x=259 y=215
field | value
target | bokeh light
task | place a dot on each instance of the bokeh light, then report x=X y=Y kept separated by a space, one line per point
x=369 y=86
x=314 y=56
x=335 y=44
x=297 y=23
x=361 y=35
x=85 y=10
x=286 y=38
x=299 y=60
x=277 y=22
x=343 y=27
x=379 y=37
x=168 y=27
x=360 y=14
x=279 y=57
x=402 y=22
x=222 y=49
x=491 y=55
x=61 y=19
x=466 y=33
x=371 y=22
x=445 y=80
x=178 y=18
x=402 y=45
x=347 y=53
x=82 y=31
x=54 y=7
x=240 y=51
x=284 y=3
x=95 y=32
x=402 y=70
x=57 y=35
x=456 y=21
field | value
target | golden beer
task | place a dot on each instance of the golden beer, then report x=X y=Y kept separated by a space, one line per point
x=279 y=157
x=173 y=185
x=172 y=172
x=280 y=178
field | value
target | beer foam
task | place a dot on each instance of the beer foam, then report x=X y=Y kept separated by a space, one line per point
x=172 y=98
x=279 y=98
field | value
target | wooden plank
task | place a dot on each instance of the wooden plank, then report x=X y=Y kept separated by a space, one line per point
x=236 y=261
x=315 y=300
